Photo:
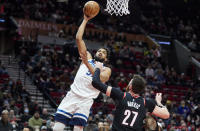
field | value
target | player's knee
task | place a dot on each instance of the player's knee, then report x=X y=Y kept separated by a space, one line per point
x=78 y=128
x=58 y=126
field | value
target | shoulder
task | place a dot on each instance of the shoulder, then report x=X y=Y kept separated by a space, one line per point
x=107 y=69
x=31 y=119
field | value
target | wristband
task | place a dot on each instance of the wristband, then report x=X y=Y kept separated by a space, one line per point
x=161 y=106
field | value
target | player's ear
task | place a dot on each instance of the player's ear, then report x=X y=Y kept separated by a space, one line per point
x=129 y=87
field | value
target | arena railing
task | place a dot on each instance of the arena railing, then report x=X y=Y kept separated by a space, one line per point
x=29 y=27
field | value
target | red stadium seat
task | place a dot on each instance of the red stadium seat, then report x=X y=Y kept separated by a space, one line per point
x=1 y=81
x=5 y=76
x=111 y=106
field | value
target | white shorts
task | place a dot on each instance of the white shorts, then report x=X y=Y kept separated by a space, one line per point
x=75 y=109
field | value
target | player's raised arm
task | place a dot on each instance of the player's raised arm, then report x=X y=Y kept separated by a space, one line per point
x=79 y=37
x=108 y=90
x=81 y=44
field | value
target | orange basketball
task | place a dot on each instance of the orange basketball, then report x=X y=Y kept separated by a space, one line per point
x=91 y=8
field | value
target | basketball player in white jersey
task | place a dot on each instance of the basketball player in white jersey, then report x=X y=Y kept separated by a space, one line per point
x=75 y=107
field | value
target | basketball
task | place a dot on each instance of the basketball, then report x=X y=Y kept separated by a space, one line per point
x=91 y=8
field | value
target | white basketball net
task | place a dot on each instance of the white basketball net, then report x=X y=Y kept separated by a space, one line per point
x=117 y=7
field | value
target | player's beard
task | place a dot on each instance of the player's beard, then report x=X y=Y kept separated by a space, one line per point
x=98 y=59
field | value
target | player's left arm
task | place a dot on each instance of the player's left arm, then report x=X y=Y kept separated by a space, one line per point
x=160 y=110
x=156 y=108
x=108 y=90
x=79 y=37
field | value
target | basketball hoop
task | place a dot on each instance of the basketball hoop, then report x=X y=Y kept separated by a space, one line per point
x=117 y=7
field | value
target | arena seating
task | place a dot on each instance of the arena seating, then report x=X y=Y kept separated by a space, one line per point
x=167 y=21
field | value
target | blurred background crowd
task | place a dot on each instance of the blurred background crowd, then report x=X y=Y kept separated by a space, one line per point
x=148 y=16
x=52 y=68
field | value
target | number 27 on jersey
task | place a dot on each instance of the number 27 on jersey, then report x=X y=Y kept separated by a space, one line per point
x=127 y=114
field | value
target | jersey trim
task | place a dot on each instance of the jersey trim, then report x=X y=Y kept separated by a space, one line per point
x=79 y=114
x=78 y=122
x=108 y=91
x=92 y=62
x=124 y=95
x=134 y=95
x=66 y=113
x=62 y=118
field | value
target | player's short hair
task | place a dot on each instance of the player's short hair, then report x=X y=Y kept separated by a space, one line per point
x=138 y=84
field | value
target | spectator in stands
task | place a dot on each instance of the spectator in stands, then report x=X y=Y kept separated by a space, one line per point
x=24 y=58
x=183 y=109
x=35 y=122
x=33 y=106
x=149 y=72
x=197 y=110
x=50 y=122
x=43 y=128
x=159 y=76
x=37 y=57
x=28 y=128
x=3 y=70
x=45 y=114
x=12 y=116
x=25 y=116
x=91 y=126
x=110 y=118
x=5 y=125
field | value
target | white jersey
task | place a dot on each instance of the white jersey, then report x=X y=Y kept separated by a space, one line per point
x=82 y=84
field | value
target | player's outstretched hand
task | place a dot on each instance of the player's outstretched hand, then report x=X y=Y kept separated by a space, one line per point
x=158 y=98
x=88 y=18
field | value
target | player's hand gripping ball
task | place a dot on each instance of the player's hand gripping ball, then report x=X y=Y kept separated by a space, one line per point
x=91 y=9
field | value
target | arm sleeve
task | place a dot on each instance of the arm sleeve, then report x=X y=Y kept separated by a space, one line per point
x=150 y=105
x=116 y=94
x=96 y=82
